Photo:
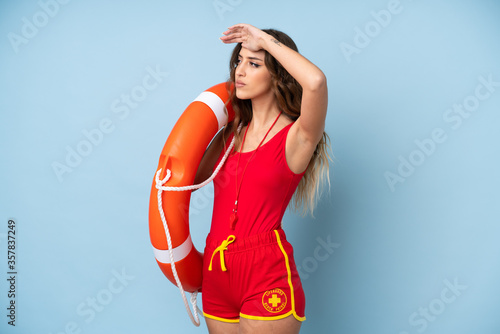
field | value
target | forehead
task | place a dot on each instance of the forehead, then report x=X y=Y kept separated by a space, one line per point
x=245 y=53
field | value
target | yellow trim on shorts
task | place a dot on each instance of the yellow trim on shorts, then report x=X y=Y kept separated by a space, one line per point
x=277 y=317
x=220 y=319
x=289 y=273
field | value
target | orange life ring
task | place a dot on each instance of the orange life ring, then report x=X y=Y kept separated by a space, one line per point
x=181 y=155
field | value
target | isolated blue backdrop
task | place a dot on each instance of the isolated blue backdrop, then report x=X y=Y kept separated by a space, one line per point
x=411 y=224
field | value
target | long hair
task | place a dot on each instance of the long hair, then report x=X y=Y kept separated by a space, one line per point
x=288 y=94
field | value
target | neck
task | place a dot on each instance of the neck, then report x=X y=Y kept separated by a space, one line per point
x=264 y=112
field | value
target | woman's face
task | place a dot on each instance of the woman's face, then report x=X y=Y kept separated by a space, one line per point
x=252 y=78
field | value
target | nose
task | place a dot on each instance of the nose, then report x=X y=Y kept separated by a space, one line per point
x=240 y=72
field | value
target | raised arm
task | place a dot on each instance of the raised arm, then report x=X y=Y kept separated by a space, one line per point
x=308 y=129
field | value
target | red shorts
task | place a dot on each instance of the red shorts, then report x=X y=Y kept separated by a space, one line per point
x=260 y=280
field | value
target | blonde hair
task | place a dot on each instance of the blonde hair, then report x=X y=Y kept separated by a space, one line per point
x=317 y=175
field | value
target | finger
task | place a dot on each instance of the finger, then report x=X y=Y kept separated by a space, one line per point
x=237 y=26
x=227 y=41
x=233 y=35
x=232 y=31
x=230 y=39
x=236 y=37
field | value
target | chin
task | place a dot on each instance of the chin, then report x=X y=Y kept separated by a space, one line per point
x=241 y=95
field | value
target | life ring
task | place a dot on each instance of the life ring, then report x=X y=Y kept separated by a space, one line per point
x=181 y=155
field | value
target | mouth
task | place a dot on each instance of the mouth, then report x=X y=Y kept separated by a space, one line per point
x=239 y=84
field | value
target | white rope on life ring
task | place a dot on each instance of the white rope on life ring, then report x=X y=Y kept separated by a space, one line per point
x=160 y=186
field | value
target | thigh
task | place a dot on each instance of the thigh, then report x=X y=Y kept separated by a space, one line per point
x=288 y=325
x=219 y=327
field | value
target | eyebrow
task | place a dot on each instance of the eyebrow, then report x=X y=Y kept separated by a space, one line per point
x=253 y=58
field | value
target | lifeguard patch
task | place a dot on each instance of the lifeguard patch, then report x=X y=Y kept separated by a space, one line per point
x=274 y=300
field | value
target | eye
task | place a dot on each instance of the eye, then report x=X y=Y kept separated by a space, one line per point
x=255 y=65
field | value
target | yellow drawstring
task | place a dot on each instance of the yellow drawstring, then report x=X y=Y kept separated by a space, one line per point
x=221 y=249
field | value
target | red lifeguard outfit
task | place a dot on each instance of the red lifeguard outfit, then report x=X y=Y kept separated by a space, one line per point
x=250 y=271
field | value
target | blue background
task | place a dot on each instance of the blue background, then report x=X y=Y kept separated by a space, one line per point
x=398 y=248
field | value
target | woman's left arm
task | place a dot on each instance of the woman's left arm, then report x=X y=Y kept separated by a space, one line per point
x=308 y=129
x=314 y=88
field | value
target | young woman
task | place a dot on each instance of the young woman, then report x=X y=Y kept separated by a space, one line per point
x=250 y=281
